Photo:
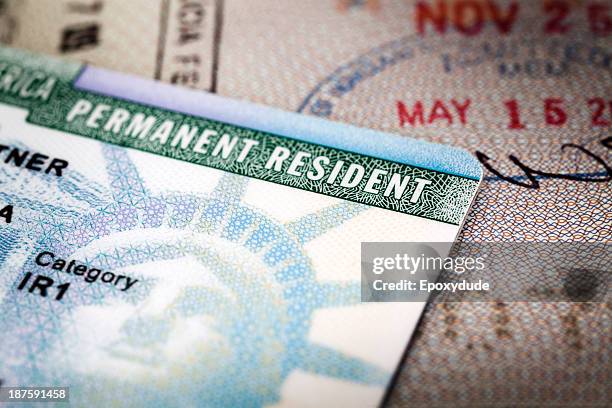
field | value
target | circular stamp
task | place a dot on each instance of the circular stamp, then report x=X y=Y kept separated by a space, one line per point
x=534 y=109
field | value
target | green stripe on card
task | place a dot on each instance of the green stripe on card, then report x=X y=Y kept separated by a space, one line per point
x=54 y=103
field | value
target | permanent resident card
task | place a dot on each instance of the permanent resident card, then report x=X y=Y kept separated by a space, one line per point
x=162 y=246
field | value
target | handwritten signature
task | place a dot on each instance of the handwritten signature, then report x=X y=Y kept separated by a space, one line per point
x=532 y=174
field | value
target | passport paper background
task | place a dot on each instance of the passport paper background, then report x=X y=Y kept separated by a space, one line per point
x=326 y=58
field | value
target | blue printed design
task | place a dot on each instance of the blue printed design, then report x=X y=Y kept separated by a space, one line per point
x=229 y=336
x=8 y=240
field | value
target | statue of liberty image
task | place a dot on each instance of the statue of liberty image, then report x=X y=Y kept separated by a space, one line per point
x=221 y=313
